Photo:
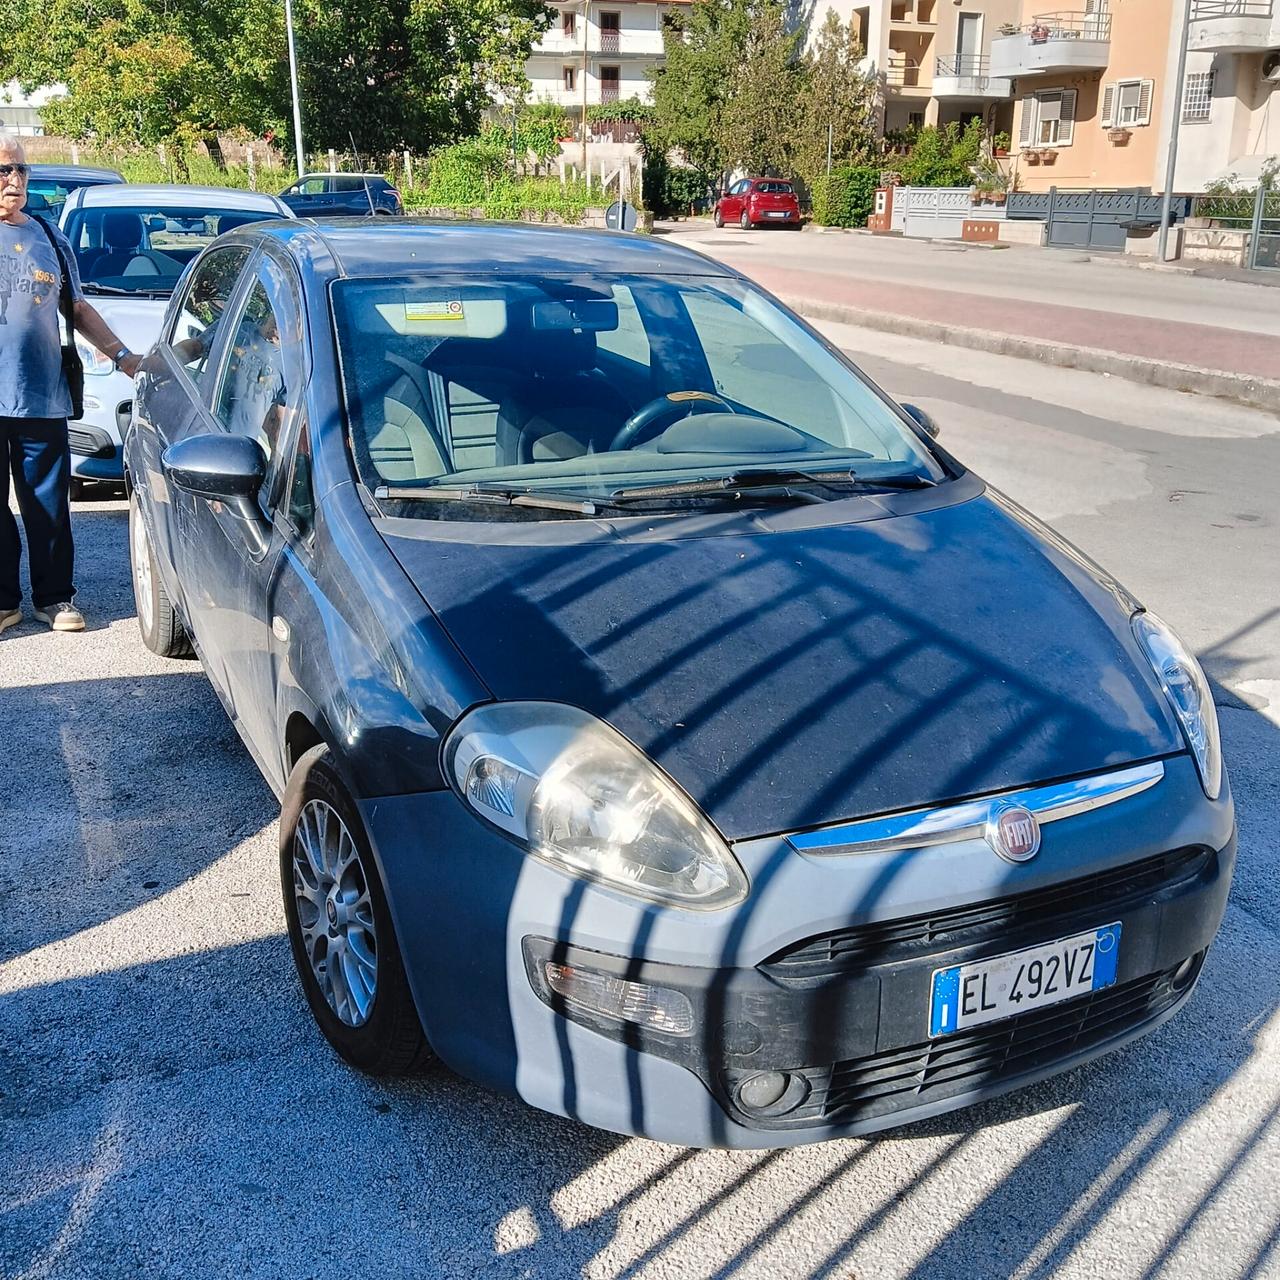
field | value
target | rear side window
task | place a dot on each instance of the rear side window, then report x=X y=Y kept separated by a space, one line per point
x=208 y=293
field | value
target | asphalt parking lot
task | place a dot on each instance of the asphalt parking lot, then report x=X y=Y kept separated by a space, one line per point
x=167 y=1109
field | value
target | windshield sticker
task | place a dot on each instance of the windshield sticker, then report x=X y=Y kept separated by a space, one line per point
x=428 y=312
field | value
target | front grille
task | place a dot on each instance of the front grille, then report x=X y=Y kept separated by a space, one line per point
x=919 y=1074
x=89 y=442
x=1107 y=892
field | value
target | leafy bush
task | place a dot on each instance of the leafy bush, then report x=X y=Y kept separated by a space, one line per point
x=845 y=197
x=943 y=157
x=466 y=172
x=540 y=128
x=671 y=190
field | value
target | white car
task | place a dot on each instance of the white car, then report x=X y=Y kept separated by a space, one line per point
x=132 y=244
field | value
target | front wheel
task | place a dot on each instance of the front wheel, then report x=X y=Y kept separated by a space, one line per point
x=745 y=221
x=340 y=931
x=158 y=621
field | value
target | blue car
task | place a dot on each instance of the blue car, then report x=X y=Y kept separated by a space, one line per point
x=667 y=729
x=342 y=195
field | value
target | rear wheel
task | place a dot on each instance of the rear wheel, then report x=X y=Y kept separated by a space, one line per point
x=719 y=217
x=340 y=931
x=158 y=621
x=745 y=221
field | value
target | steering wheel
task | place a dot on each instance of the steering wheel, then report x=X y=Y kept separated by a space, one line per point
x=677 y=404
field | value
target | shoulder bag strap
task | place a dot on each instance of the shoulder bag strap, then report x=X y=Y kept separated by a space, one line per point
x=66 y=304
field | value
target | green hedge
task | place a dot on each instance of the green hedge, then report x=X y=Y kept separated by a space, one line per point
x=507 y=197
x=845 y=197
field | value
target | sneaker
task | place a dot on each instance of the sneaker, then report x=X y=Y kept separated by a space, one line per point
x=9 y=618
x=61 y=617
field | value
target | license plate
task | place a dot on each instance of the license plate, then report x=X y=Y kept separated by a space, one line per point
x=967 y=995
x=781 y=214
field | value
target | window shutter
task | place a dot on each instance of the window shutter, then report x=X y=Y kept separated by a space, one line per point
x=1145 y=93
x=1108 y=106
x=1067 y=119
x=1027 y=127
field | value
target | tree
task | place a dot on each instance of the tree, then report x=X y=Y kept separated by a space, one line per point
x=838 y=94
x=944 y=157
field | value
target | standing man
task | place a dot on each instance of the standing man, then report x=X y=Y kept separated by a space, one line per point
x=35 y=401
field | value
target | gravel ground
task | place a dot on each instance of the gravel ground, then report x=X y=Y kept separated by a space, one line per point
x=167 y=1109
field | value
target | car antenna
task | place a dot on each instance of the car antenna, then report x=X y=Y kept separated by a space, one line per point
x=364 y=177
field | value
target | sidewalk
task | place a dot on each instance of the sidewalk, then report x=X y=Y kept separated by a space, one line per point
x=1012 y=302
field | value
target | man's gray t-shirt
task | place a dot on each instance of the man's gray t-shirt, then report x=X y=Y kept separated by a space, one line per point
x=31 y=381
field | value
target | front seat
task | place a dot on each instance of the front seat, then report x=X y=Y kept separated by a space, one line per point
x=122 y=238
x=408 y=445
x=566 y=406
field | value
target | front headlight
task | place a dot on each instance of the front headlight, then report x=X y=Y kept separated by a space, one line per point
x=1185 y=686
x=93 y=360
x=576 y=794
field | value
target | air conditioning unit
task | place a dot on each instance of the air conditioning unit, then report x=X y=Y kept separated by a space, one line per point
x=1271 y=67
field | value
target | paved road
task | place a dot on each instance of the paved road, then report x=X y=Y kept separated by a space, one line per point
x=166 y=1108
x=1052 y=295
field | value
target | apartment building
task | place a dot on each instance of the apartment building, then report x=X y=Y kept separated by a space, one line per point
x=1230 y=121
x=599 y=51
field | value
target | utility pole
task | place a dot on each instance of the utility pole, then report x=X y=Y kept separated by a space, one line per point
x=1166 y=206
x=293 y=83
x=586 y=18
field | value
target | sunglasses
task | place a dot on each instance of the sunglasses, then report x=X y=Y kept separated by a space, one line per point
x=20 y=169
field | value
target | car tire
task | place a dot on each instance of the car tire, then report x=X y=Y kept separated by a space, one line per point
x=363 y=1008
x=745 y=221
x=719 y=219
x=158 y=621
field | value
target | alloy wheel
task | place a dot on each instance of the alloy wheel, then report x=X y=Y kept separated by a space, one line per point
x=335 y=912
x=142 y=570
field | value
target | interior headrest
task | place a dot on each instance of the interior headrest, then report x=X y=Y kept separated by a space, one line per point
x=122 y=230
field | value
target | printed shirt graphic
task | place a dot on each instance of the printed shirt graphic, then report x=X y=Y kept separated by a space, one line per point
x=31 y=381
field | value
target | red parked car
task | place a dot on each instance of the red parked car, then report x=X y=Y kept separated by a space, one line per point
x=756 y=202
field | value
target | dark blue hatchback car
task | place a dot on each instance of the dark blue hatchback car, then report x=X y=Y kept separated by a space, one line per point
x=667 y=729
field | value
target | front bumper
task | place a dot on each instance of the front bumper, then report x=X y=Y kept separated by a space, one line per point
x=770 y=992
x=95 y=439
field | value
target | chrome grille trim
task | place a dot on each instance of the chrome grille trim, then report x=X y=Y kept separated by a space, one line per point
x=948 y=823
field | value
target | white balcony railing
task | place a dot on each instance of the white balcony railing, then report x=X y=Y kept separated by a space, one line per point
x=967 y=76
x=1233 y=26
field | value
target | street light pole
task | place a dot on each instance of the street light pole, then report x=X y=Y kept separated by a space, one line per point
x=293 y=85
x=1166 y=206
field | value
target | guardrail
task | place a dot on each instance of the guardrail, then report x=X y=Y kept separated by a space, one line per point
x=903 y=76
x=970 y=66
x=1202 y=9
x=1067 y=25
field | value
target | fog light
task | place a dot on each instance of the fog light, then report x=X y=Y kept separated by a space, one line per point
x=758 y=1092
x=772 y=1093
x=654 y=1007
x=1182 y=976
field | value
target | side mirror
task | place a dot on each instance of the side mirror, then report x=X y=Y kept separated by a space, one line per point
x=222 y=468
x=923 y=420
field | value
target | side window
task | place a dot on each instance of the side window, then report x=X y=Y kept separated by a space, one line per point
x=300 y=508
x=199 y=317
x=312 y=187
x=629 y=339
x=262 y=376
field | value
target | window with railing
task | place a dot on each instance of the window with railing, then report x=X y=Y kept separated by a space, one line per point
x=610 y=32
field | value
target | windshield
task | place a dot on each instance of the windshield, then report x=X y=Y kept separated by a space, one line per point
x=144 y=250
x=588 y=387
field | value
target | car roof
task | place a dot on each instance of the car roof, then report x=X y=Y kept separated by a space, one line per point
x=79 y=172
x=136 y=195
x=324 y=173
x=406 y=246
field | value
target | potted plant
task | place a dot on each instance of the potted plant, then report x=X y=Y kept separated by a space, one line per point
x=1032 y=157
x=1009 y=28
x=1118 y=135
x=1048 y=157
x=1000 y=146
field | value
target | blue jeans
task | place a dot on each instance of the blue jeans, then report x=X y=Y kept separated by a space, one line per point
x=34 y=451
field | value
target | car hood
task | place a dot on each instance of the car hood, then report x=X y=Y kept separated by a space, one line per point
x=789 y=677
x=135 y=321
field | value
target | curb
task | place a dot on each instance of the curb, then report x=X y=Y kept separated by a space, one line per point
x=1243 y=388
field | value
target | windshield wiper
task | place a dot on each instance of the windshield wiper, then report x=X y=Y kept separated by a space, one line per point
x=92 y=286
x=767 y=478
x=502 y=497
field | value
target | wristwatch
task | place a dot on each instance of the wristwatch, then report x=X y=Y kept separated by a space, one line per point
x=120 y=355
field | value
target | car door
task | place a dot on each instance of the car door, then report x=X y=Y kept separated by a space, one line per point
x=732 y=206
x=170 y=403
x=259 y=394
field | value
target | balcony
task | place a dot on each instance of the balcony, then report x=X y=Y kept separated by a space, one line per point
x=1053 y=42
x=968 y=77
x=1233 y=26
x=908 y=79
